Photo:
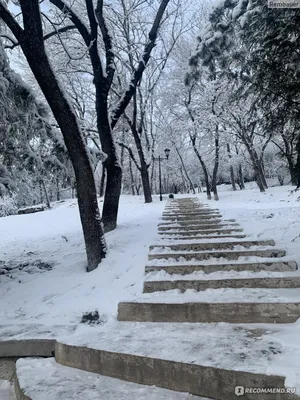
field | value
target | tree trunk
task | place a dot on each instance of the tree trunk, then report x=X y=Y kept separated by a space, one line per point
x=232 y=178
x=138 y=142
x=111 y=163
x=288 y=153
x=46 y=193
x=146 y=183
x=41 y=191
x=112 y=196
x=131 y=177
x=262 y=173
x=57 y=190
x=102 y=182
x=241 y=177
x=293 y=172
x=153 y=177
x=185 y=171
x=205 y=172
x=216 y=166
x=33 y=47
x=256 y=165
x=122 y=147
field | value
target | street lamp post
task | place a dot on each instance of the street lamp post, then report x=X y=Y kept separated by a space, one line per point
x=159 y=159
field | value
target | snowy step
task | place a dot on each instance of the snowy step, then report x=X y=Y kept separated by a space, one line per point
x=192 y=222
x=206 y=360
x=44 y=379
x=199 y=245
x=201 y=209
x=194 y=210
x=226 y=254
x=199 y=233
x=191 y=217
x=182 y=213
x=178 y=237
x=185 y=269
x=236 y=313
x=199 y=285
x=196 y=226
x=214 y=305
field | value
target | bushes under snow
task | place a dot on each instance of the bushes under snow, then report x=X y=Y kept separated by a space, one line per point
x=7 y=206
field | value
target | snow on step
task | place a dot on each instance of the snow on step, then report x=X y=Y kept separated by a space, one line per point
x=214 y=305
x=200 y=233
x=197 y=245
x=222 y=295
x=162 y=275
x=6 y=390
x=184 y=267
x=191 y=227
x=206 y=255
x=187 y=217
x=239 y=348
x=200 y=214
x=192 y=222
x=234 y=283
x=207 y=360
x=44 y=379
x=176 y=236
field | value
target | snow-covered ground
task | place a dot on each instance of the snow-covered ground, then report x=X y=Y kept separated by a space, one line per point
x=274 y=214
x=63 y=294
x=47 y=290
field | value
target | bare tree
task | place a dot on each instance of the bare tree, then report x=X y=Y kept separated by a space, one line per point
x=103 y=78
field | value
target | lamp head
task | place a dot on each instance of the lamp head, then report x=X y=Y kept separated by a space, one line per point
x=167 y=153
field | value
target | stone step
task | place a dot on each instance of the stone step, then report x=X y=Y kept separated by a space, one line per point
x=181 y=358
x=200 y=285
x=190 y=209
x=186 y=269
x=178 y=237
x=230 y=245
x=230 y=312
x=226 y=254
x=189 y=227
x=66 y=383
x=199 y=232
x=183 y=213
x=196 y=222
x=189 y=217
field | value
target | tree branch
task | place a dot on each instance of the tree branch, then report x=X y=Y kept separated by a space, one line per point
x=138 y=73
x=90 y=38
x=12 y=24
x=84 y=32
x=130 y=153
x=46 y=37
x=110 y=58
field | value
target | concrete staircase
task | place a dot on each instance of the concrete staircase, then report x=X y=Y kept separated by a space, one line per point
x=212 y=240
x=203 y=271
